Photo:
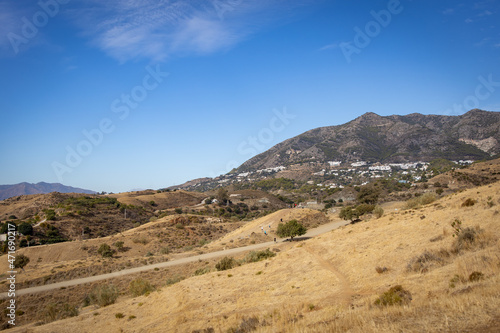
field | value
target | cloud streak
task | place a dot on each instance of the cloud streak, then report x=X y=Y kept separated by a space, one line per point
x=128 y=30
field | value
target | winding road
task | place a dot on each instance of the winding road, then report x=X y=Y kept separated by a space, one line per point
x=311 y=233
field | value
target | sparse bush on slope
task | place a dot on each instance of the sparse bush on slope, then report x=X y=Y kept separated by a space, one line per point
x=140 y=287
x=102 y=295
x=422 y=200
x=255 y=256
x=397 y=295
x=225 y=264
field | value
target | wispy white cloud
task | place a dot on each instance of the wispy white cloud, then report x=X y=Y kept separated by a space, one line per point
x=329 y=47
x=485 y=13
x=448 y=11
x=158 y=29
x=483 y=42
x=10 y=19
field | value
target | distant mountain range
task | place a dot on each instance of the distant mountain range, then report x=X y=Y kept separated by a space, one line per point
x=474 y=135
x=8 y=191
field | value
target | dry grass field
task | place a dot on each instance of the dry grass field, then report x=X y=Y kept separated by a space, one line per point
x=331 y=283
x=152 y=242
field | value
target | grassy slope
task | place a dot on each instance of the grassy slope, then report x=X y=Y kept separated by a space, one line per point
x=330 y=283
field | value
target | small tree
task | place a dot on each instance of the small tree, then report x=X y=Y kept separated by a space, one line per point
x=222 y=195
x=25 y=229
x=291 y=229
x=368 y=195
x=21 y=261
x=349 y=213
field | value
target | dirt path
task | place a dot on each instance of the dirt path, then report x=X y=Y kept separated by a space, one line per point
x=346 y=290
x=312 y=233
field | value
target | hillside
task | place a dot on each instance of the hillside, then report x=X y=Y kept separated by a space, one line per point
x=8 y=191
x=373 y=138
x=331 y=283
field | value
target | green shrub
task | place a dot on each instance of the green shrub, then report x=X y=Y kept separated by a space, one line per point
x=141 y=240
x=119 y=245
x=119 y=315
x=21 y=261
x=102 y=295
x=225 y=264
x=202 y=271
x=456 y=279
x=50 y=214
x=178 y=210
x=54 y=311
x=105 y=251
x=378 y=212
x=140 y=287
x=425 y=199
x=396 y=295
x=255 y=256
x=365 y=209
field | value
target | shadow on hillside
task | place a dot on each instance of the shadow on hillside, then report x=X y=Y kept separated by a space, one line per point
x=297 y=239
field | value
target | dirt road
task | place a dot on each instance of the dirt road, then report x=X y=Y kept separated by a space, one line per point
x=311 y=233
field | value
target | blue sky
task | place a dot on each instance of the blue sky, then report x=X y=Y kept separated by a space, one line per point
x=118 y=95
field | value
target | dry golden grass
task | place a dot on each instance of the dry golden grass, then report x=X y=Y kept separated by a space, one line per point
x=330 y=283
x=251 y=231
x=164 y=200
x=69 y=260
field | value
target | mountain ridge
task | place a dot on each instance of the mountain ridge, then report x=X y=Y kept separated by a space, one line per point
x=396 y=138
x=25 y=188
